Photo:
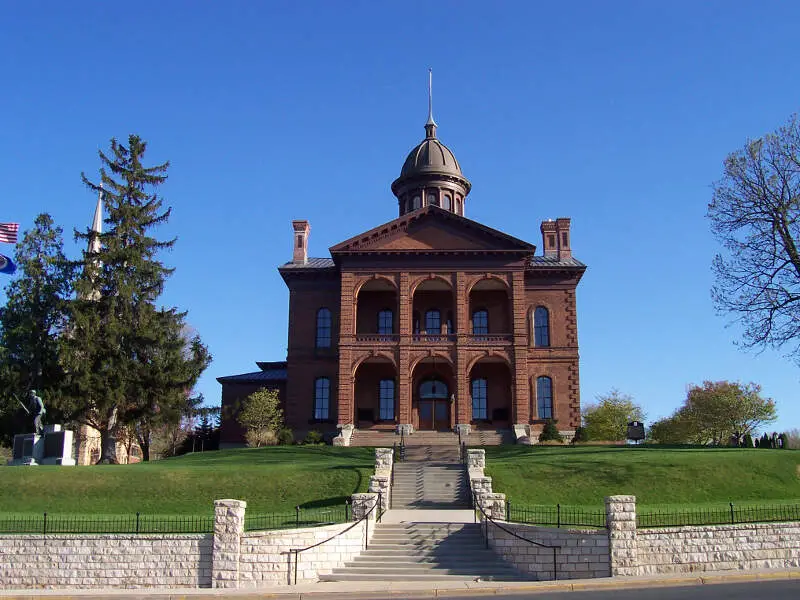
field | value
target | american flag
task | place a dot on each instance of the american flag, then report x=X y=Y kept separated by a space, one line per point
x=8 y=232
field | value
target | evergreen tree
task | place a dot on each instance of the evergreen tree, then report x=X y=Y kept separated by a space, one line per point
x=33 y=321
x=129 y=362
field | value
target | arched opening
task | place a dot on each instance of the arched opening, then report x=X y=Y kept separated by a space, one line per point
x=490 y=310
x=376 y=311
x=433 y=386
x=375 y=394
x=432 y=312
x=490 y=394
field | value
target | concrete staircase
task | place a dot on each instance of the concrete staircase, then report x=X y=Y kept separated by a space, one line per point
x=426 y=552
x=374 y=437
x=429 y=485
x=490 y=437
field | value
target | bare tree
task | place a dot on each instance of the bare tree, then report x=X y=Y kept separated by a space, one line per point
x=754 y=214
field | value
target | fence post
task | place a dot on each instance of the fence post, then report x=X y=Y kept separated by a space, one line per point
x=558 y=516
x=137 y=521
x=508 y=509
x=733 y=520
x=379 y=508
x=346 y=512
x=296 y=560
x=297 y=516
x=44 y=525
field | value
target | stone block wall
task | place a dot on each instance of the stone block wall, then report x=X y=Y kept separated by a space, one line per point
x=718 y=548
x=105 y=561
x=583 y=553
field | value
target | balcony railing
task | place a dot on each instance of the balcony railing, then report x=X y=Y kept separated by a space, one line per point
x=434 y=337
x=490 y=339
x=377 y=338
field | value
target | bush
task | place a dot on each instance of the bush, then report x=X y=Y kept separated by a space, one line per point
x=313 y=437
x=256 y=438
x=580 y=435
x=285 y=437
x=262 y=417
x=550 y=432
x=747 y=441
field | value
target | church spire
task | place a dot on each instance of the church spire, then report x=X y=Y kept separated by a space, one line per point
x=97 y=223
x=430 y=126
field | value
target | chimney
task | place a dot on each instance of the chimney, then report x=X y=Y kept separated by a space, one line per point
x=301 y=230
x=562 y=231
x=549 y=238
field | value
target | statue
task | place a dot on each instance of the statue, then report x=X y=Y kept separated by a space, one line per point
x=37 y=411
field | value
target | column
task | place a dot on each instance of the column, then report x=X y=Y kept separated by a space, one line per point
x=228 y=530
x=464 y=410
x=344 y=396
x=521 y=404
x=405 y=330
x=622 y=543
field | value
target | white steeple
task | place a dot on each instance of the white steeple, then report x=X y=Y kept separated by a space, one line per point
x=97 y=223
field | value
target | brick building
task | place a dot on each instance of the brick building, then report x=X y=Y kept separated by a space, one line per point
x=431 y=321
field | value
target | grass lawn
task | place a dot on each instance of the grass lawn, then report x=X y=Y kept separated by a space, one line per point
x=659 y=477
x=274 y=479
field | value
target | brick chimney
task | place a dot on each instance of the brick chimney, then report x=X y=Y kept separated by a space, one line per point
x=549 y=238
x=562 y=231
x=301 y=231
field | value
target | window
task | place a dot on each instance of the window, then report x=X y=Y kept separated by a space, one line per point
x=459 y=208
x=478 y=399
x=433 y=388
x=480 y=322
x=541 y=327
x=447 y=203
x=387 y=399
x=323 y=328
x=417 y=325
x=416 y=203
x=564 y=239
x=450 y=327
x=385 y=322
x=544 y=397
x=433 y=200
x=322 y=398
x=299 y=241
x=433 y=322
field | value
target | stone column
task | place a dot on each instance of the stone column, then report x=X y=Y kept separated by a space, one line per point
x=622 y=543
x=405 y=327
x=228 y=530
x=362 y=503
x=384 y=457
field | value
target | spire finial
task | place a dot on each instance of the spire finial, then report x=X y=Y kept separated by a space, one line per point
x=430 y=126
x=97 y=223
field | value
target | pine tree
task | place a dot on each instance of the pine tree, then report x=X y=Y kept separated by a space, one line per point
x=129 y=361
x=34 y=319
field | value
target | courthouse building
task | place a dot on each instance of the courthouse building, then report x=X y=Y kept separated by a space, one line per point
x=431 y=321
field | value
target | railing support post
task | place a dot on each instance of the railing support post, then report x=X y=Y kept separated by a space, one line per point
x=297 y=516
x=555 y=564
x=733 y=518
x=137 y=521
x=44 y=524
x=558 y=516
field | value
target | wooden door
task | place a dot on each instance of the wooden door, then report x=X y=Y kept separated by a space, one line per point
x=426 y=414
x=441 y=415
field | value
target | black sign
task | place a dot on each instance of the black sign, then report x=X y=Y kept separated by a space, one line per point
x=635 y=431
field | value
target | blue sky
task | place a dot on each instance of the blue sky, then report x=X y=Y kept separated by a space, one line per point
x=617 y=114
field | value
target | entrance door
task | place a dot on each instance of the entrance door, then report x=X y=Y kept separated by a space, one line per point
x=434 y=405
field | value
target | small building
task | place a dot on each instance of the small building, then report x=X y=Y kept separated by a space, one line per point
x=431 y=321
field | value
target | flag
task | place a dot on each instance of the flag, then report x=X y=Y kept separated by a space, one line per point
x=8 y=232
x=7 y=265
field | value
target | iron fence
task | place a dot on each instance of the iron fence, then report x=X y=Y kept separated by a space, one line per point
x=124 y=524
x=301 y=517
x=556 y=516
x=731 y=515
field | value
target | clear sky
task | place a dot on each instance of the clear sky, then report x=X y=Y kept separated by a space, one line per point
x=617 y=114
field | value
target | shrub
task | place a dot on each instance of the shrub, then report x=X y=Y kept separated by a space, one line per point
x=285 y=437
x=313 y=437
x=260 y=437
x=580 y=435
x=747 y=441
x=262 y=415
x=550 y=432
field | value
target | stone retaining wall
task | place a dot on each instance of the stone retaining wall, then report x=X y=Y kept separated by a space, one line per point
x=583 y=553
x=105 y=561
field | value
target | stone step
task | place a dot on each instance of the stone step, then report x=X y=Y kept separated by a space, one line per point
x=341 y=575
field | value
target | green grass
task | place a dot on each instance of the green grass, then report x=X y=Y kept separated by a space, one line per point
x=659 y=477
x=274 y=479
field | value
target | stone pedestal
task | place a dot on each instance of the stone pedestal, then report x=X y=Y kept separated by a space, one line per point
x=623 y=546
x=405 y=429
x=228 y=530
x=53 y=447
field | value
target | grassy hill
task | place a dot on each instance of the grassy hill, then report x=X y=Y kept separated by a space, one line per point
x=270 y=480
x=657 y=476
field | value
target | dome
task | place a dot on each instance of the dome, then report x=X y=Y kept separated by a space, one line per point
x=431 y=156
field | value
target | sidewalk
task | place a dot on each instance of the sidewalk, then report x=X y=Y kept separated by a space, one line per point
x=419 y=589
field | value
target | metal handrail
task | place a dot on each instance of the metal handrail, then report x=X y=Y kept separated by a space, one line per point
x=487 y=519
x=297 y=551
x=402 y=445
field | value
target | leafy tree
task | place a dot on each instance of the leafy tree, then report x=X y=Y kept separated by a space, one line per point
x=580 y=435
x=128 y=360
x=747 y=441
x=670 y=430
x=609 y=417
x=550 y=432
x=784 y=441
x=33 y=320
x=262 y=417
x=754 y=213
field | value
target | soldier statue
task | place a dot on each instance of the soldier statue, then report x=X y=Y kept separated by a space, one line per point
x=37 y=411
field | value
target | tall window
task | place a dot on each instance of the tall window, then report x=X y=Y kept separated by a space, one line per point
x=322 y=398
x=416 y=203
x=433 y=200
x=541 y=327
x=544 y=397
x=480 y=322
x=417 y=325
x=450 y=327
x=478 y=399
x=385 y=322
x=447 y=203
x=387 y=399
x=433 y=321
x=323 y=328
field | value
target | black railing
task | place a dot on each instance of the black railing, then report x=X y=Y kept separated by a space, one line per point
x=556 y=516
x=301 y=517
x=125 y=524
x=730 y=515
x=402 y=448
x=487 y=519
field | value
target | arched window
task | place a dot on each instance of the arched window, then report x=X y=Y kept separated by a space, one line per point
x=417 y=324
x=541 y=327
x=387 y=399
x=480 y=322
x=385 y=322
x=459 y=207
x=416 y=203
x=433 y=200
x=447 y=202
x=451 y=328
x=544 y=397
x=323 y=328
x=433 y=388
x=433 y=322
x=479 y=399
x=322 y=398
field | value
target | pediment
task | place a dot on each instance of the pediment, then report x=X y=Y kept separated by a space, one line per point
x=432 y=229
